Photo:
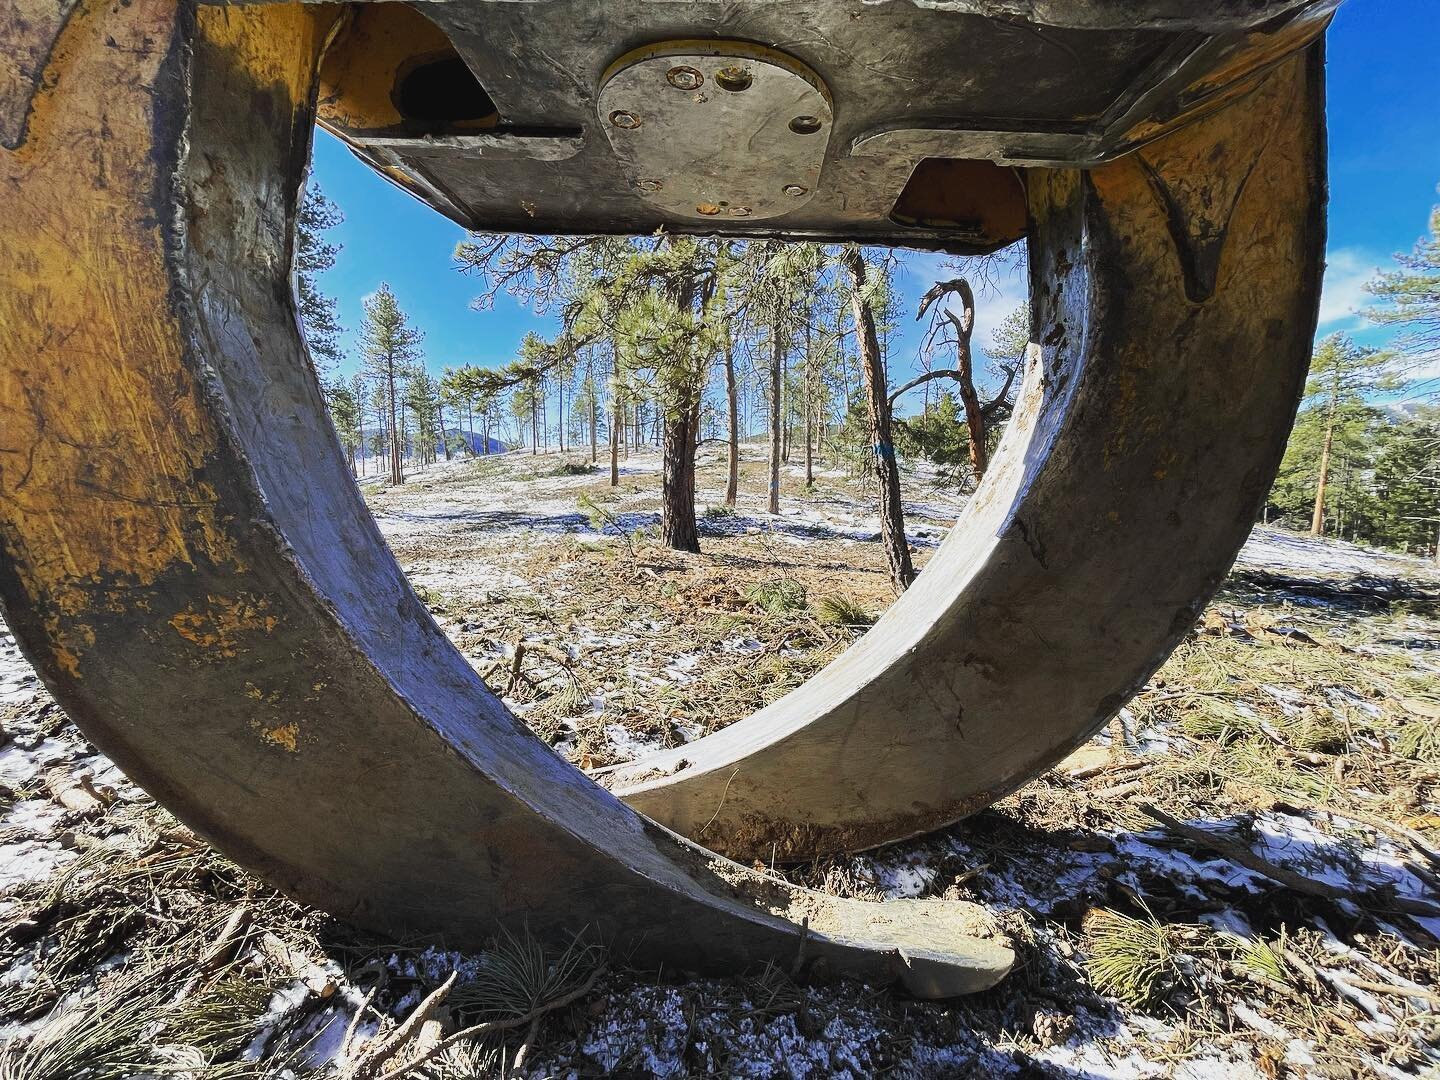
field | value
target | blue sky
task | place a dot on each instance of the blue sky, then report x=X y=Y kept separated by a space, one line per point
x=1384 y=147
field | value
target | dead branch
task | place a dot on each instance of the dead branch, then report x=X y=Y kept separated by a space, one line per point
x=478 y=1031
x=376 y=1057
x=1242 y=854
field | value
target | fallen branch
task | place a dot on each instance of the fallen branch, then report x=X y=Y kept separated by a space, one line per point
x=387 y=1047
x=1393 y=829
x=231 y=935
x=1242 y=854
x=1388 y=988
x=1091 y=771
x=478 y=1031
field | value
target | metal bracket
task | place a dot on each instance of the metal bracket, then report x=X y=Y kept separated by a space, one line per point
x=716 y=129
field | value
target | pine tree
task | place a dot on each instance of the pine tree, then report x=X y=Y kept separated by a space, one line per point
x=1341 y=373
x=1410 y=298
x=587 y=400
x=422 y=399
x=391 y=348
x=1406 y=479
x=313 y=256
x=345 y=415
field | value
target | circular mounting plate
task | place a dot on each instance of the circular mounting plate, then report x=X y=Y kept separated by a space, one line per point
x=716 y=130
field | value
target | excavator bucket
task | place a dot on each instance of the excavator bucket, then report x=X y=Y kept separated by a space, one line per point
x=186 y=560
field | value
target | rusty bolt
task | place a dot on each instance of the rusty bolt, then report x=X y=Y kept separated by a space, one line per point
x=649 y=184
x=795 y=190
x=684 y=78
x=734 y=79
x=622 y=119
x=708 y=209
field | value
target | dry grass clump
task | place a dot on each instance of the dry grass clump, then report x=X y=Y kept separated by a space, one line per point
x=835 y=609
x=1137 y=961
x=519 y=973
x=1316 y=731
x=1419 y=740
x=1214 y=719
x=1265 y=959
x=777 y=596
x=100 y=1037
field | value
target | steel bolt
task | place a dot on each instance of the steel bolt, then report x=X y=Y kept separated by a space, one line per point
x=795 y=190
x=734 y=79
x=739 y=211
x=684 y=78
x=650 y=185
x=622 y=119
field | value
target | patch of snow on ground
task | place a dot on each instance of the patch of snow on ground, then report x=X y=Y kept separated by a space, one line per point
x=1276 y=549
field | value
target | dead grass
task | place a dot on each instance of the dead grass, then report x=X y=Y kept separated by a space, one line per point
x=1272 y=711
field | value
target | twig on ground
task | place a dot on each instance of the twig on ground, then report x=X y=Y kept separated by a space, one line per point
x=1387 y=988
x=518 y=1065
x=386 y=1047
x=490 y=1027
x=1292 y=879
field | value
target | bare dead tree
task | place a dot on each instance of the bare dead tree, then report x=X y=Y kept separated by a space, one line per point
x=977 y=416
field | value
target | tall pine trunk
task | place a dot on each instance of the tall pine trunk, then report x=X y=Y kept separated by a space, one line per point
x=616 y=420
x=594 y=408
x=678 y=422
x=872 y=365
x=784 y=411
x=777 y=420
x=732 y=474
x=1317 y=518
x=808 y=404
x=397 y=472
x=678 y=529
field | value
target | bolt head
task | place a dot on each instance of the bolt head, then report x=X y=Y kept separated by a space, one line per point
x=684 y=78
x=622 y=119
x=735 y=78
x=795 y=190
x=650 y=184
x=739 y=211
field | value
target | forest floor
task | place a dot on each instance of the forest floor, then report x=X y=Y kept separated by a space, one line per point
x=1239 y=878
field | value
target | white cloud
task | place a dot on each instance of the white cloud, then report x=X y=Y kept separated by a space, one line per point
x=1342 y=293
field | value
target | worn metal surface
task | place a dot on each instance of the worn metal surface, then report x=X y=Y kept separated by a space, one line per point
x=188 y=565
x=1174 y=299
x=1044 y=85
x=27 y=34
x=1211 y=16
x=716 y=129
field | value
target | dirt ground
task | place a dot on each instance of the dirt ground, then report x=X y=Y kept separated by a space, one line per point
x=628 y=646
x=1239 y=878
